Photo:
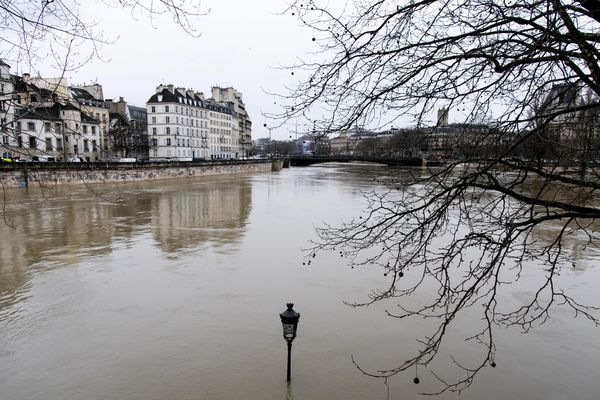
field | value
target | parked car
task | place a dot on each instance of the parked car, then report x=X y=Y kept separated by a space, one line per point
x=127 y=159
x=74 y=159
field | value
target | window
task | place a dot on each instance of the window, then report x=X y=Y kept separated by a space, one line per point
x=3 y=124
x=177 y=131
x=76 y=149
x=94 y=146
x=154 y=142
x=153 y=109
x=2 y=88
x=168 y=141
x=166 y=108
x=86 y=146
x=154 y=131
x=167 y=120
x=85 y=130
x=176 y=109
x=153 y=120
x=93 y=130
x=31 y=126
x=47 y=127
x=168 y=131
x=48 y=144
x=32 y=142
x=5 y=140
x=59 y=145
x=20 y=141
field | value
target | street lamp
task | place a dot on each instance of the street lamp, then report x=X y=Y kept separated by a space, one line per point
x=289 y=320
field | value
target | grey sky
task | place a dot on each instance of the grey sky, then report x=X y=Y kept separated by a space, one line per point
x=241 y=45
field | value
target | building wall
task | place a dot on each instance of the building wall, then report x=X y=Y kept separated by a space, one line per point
x=7 y=139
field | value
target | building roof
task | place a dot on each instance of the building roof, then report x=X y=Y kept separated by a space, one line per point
x=86 y=98
x=89 y=119
x=40 y=113
x=166 y=96
x=562 y=95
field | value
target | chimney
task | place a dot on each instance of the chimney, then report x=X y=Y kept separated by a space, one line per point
x=121 y=100
x=171 y=88
x=26 y=77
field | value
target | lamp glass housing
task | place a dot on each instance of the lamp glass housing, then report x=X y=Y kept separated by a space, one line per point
x=289 y=321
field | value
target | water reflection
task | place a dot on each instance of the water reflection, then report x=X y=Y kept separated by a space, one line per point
x=69 y=225
x=289 y=395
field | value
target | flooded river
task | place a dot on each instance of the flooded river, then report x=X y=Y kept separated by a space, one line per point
x=172 y=289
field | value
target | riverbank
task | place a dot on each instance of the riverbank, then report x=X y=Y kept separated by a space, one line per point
x=53 y=174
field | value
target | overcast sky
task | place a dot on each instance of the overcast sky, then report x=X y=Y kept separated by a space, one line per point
x=242 y=44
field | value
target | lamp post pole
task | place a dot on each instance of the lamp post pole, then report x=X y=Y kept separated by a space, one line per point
x=289 y=364
x=289 y=320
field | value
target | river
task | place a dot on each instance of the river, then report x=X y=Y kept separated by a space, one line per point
x=172 y=290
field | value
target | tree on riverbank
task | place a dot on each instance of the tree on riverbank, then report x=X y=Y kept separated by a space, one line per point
x=469 y=229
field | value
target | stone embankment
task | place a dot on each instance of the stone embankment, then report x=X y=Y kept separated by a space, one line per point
x=52 y=174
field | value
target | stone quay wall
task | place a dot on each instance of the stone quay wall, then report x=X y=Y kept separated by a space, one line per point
x=52 y=174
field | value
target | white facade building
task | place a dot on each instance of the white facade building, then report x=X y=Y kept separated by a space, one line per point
x=7 y=91
x=241 y=124
x=42 y=118
x=183 y=125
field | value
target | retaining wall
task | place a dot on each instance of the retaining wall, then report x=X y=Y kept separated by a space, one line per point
x=51 y=174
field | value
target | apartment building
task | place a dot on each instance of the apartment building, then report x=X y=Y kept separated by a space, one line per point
x=241 y=123
x=183 y=126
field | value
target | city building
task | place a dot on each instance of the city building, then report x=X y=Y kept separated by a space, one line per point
x=90 y=99
x=183 y=125
x=128 y=130
x=242 y=125
x=7 y=88
x=46 y=117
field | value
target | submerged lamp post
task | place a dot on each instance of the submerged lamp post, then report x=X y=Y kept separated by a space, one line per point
x=289 y=320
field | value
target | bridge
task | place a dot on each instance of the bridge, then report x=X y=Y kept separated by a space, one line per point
x=303 y=160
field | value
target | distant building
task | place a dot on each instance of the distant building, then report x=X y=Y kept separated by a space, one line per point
x=90 y=99
x=183 y=125
x=242 y=125
x=128 y=131
x=40 y=116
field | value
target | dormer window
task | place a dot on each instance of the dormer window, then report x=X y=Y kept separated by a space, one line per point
x=160 y=97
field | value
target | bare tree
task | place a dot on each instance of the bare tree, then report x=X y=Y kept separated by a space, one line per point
x=49 y=31
x=467 y=230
